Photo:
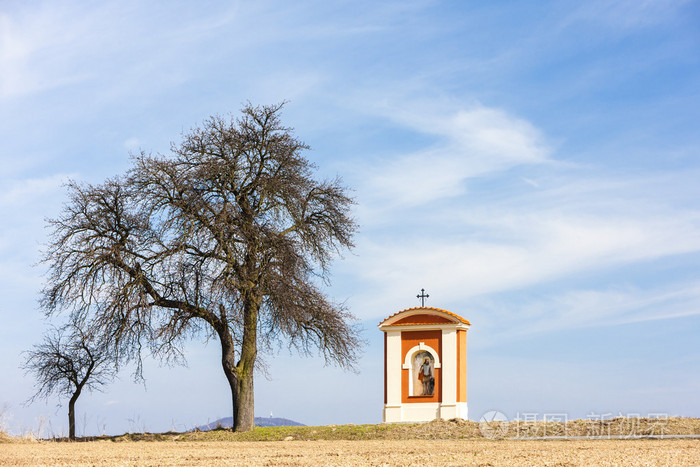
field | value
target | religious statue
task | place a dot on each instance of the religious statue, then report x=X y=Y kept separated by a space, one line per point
x=426 y=374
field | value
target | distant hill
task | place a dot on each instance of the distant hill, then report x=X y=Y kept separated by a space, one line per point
x=259 y=421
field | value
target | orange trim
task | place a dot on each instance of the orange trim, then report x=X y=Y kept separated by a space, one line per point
x=422 y=319
x=440 y=310
x=461 y=366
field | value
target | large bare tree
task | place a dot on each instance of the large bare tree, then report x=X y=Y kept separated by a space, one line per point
x=67 y=362
x=230 y=236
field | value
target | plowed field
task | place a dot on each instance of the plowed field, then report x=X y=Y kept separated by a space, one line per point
x=343 y=452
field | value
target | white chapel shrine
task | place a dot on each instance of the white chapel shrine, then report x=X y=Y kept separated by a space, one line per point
x=425 y=365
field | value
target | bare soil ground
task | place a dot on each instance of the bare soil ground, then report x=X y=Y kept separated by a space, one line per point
x=373 y=452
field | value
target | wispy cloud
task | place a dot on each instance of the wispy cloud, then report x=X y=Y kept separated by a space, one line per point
x=540 y=250
x=469 y=142
x=586 y=308
x=37 y=49
x=24 y=203
x=478 y=245
x=115 y=44
x=17 y=193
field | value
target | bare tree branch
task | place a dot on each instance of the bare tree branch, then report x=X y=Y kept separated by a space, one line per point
x=68 y=361
x=226 y=237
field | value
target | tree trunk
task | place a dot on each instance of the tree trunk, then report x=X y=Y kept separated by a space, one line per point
x=71 y=415
x=228 y=362
x=240 y=374
x=244 y=404
x=240 y=380
x=245 y=369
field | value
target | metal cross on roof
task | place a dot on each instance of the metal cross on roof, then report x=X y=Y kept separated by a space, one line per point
x=422 y=297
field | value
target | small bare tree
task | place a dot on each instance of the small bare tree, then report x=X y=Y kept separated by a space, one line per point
x=230 y=238
x=67 y=362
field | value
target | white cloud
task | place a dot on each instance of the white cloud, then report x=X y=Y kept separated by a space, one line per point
x=537 y=221
x=546 y=250
x=492 y=134
x=470 y=143
x=115 y=45
x=529 y=239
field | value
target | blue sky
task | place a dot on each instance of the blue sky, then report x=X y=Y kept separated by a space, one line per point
x=533 y=165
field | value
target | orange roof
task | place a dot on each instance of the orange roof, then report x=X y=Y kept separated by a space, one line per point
x=430 y=308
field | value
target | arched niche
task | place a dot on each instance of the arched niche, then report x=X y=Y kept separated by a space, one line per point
x=409 y=364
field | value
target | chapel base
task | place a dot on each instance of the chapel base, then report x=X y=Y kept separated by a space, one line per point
x=426 y=412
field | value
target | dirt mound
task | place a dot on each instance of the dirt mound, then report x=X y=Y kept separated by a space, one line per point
x=455 y=428
x=458 y=428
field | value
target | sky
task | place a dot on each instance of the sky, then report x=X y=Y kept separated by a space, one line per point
x=533 y=165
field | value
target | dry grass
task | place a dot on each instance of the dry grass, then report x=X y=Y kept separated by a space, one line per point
x=439 y=429
x=373 y=452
